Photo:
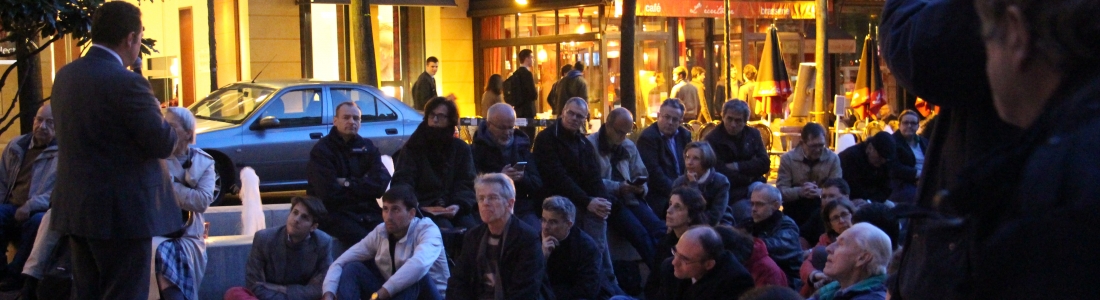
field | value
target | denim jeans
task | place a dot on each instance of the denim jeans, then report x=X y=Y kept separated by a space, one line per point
x=640 y=226
x=361 y=279
x=20 y=233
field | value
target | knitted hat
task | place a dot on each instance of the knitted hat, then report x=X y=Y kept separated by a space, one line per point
x=884 y=145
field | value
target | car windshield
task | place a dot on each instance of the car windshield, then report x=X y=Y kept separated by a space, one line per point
x=232 y=103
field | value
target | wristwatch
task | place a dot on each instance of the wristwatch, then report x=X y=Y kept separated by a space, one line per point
x=347 y=183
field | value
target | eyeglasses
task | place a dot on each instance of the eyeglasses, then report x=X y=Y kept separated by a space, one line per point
x=843 y=215
x=760 y=203
x=437 y=117
x=500 y=127
x=683 y=258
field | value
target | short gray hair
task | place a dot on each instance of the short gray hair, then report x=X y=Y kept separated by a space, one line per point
x=873 y=240
x=576 y=100
x=770 y=191
x=737 y=106
x=186 y=118
x=560 y=205
x=507 y=187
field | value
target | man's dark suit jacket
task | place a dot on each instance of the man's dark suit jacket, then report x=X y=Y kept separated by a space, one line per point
x=664 y=166
x=423 y=90
x=111 y=180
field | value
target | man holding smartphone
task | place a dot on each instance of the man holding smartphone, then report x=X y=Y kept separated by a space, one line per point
x=501 y=148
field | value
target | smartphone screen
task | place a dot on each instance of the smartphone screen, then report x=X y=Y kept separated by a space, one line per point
x=520 y=166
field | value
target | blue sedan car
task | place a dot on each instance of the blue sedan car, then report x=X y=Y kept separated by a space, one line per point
x=272 y=125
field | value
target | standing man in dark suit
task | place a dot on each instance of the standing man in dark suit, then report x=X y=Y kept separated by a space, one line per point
x=662 y=149
x=523 y=91
x=424 y=88
x=113 y=191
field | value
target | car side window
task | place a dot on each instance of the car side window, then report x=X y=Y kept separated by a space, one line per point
x=296 y=108
x=374 y=109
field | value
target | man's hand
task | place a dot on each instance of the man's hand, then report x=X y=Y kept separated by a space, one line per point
x=449 y=212
x=512 y=173
x=810 y=190
x=23 y=213
x=600 y=206
x=382 y=293
x=819 y=279
x=627 y=189
x=859 y=202
x=548 y=245
x=733 y=167
x=328 y=296
x=274 y=287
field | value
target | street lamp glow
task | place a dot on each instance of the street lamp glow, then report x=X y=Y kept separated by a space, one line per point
x=521 y=2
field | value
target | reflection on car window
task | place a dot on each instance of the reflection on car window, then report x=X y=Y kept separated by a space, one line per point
x=374 y=109
x=296 y=108
x=231 y=104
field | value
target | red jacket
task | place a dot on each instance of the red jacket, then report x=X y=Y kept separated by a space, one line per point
x=763 y=269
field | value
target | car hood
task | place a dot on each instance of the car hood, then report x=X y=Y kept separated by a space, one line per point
x=202 y=126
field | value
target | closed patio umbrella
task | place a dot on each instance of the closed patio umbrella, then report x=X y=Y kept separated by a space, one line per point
x=868 y=95
x=772 y=81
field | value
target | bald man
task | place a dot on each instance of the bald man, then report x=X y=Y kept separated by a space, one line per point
x=701 y=268
x=28 y=170
x=501 y=148
x=623 y=175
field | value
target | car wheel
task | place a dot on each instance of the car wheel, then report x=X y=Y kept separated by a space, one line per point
x=223 y=180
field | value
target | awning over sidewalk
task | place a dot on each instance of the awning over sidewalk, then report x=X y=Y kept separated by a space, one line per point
x=395 y=2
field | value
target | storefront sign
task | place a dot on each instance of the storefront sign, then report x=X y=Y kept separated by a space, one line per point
x=738 y=9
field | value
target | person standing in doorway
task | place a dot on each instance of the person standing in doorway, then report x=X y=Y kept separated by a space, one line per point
x=424 y=89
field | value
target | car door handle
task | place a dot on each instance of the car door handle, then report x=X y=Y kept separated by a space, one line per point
x=315 y=135
x=391 y=131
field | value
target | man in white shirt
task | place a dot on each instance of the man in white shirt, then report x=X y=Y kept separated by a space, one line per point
x=402 y=258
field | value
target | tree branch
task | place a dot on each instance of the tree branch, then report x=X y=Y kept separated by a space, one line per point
x=7 y=72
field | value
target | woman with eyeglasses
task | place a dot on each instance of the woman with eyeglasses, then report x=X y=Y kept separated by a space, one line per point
x=439 y=167
x=910 y=157
x=686 y=209
x=179 y=258
x=837 y=216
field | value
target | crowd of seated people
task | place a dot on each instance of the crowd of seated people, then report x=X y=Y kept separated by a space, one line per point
x=535 y=222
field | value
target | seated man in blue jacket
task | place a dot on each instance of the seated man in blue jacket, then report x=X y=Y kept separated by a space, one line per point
x=661 y=147
x=402 y=258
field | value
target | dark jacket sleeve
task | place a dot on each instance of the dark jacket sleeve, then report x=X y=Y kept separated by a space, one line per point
x=144 y=121
x=528 y=95
x=254 y=270
x=532 y=179
x=760 y=163
x=586 y=259
x=462 y=186
x=374 y=182
x=649 y=147
x=321 y=176
x=405 y=170
x=904 y=168
x=463 y=276
x=422 y=90
x=555 y=178
x=528 y=265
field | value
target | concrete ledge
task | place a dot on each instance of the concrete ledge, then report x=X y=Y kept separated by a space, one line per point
x=225 y=265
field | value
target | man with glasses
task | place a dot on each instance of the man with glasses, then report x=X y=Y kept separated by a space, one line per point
x=622 y=171
x=701 y=268
x=346 y=172
x=572 y=264
x=661 y=147
x=831 y=190
x=568 y=164
x=802 y=169
x=742 y=157
x=777 y=230
x=500 y=147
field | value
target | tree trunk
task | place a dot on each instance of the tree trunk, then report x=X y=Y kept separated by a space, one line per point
x=365 y=66
x=30 y=86
x=628 y=92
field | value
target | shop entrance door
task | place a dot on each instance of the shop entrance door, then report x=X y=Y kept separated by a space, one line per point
x=654 y=58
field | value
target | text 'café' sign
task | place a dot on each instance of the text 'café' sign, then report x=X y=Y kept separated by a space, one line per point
x=738 y=9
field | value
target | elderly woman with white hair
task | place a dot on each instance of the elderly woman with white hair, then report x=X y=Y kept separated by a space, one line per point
x=179 y=258
x=857 y=261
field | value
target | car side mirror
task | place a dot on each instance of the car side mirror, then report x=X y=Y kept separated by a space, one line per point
x=265 y=122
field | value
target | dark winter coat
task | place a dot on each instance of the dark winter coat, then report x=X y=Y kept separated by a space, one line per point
x=867 y=181
x=569 y=166
x=524 y=96
x=522 y=265
x=451 y=184
x=573 y=268
x=727 y=280
x=747 y=150
x=489 y=157
x=905 y=170
x=423 y=90
x=780 y=234
x=663 y=165
x=573 y=85
x=358 y=161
